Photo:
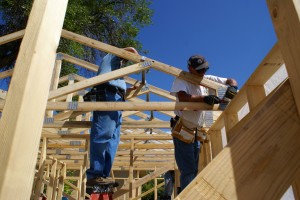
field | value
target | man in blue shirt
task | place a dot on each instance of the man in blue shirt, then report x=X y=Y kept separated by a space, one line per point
x=106 y=125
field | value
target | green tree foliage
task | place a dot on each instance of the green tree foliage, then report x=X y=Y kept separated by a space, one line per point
x=116 y=22
x=149 y=185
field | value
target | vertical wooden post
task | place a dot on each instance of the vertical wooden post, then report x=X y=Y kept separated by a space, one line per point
x=155 y=188
x=85 y=165
x=131 y=168
x=23 y=114
x=61 y=181
x=216 y=142
x=286 y=20
x=55 y=80
x=79 y=184
x=39 y=187
x=255 y=94
x=52 y=178
x=177 y=181
x=230 y=120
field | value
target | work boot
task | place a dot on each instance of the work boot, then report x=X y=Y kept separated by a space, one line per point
x=101 y=181
x=95 y=181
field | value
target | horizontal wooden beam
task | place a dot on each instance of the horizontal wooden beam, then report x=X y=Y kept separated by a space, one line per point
x=128 y=106
x=12 y=37
x=6 y=73
x=138 y=58
x=79 y=62
x=97 y=80
x=125 y=124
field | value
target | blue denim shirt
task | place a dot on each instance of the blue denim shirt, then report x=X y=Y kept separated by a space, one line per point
x=110 y=63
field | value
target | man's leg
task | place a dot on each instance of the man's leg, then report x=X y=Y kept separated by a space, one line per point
x=185 y=159
x=103 y=128
x=112 y=146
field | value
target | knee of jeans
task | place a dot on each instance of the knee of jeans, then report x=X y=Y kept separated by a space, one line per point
x=102 y=133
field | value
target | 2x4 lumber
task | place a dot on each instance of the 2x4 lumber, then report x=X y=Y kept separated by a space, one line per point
x=61 y=181
x=125 y=188
x=150 y=190
x=137 y=58
x=145 y=153
x=266 y=69
x=146 y=136
x=12 y=37
x=125 y=124
x=3 y=94
x=286 y=20
x=97 y=80
x=128 y=106
x=137 y=92
x=121 y=146
x=6 y=73
x=67 y=115
x=153 y=89
x=255 y=94
x=54 y=82
x=259 y=162
x=230 y=120
x=216 y=142
x=52 y=179
x=19 y=131
x=79 y=62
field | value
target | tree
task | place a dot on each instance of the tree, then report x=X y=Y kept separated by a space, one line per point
x=116 y=22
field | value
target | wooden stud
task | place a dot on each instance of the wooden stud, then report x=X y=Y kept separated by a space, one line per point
x=286 y=20
x=19 y=131
x=12 y=37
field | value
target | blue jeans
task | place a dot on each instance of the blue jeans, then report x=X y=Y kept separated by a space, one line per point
x=104 y=139
x=187 y=157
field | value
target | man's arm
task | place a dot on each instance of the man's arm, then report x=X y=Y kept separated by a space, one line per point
x=209 y=99
x=185 y=97
x=231 y=82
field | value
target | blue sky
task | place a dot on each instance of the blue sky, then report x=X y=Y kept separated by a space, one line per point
x=234 y=36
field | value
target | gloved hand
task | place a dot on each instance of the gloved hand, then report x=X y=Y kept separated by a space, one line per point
x=211 y=99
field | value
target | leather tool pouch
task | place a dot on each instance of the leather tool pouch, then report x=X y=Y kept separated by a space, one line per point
x=182 y=132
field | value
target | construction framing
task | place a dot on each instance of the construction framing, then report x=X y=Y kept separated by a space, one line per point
x=253 y=145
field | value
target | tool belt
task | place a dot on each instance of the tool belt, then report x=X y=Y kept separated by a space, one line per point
x=185 y=134
x=180 y=131
x=98 y=93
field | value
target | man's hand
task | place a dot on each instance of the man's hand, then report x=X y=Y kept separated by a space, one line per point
x=211 y=99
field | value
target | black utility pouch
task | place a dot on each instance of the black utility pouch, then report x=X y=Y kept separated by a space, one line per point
x=172 y=122
x=95 y=95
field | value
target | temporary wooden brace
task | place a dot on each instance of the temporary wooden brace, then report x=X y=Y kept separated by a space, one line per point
x=18 y=130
